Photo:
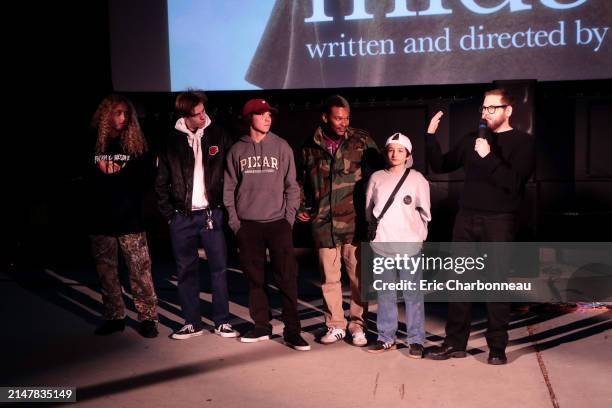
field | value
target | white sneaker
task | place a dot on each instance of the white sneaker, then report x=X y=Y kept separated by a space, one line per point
x=359 y=338
x=226 y=330
x=333 y=335
x=186 y=332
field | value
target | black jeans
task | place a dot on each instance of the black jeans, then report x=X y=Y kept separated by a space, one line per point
x=480 y=227
x=253 y=239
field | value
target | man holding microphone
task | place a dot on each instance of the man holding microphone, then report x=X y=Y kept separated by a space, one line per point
x=497 y=164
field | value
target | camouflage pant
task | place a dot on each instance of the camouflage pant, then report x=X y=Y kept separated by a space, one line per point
x=136 y=254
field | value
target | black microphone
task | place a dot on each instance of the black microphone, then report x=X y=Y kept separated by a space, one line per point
x=483 y=130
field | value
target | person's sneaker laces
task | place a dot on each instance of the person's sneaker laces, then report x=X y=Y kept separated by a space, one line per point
x=296 y=341
x=381 y=347
x=333 y=335
x=226 y=330
x=186 y=332
x=359 y=338
x=255 y=335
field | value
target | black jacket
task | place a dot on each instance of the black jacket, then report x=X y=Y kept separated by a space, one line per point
x=174 y=183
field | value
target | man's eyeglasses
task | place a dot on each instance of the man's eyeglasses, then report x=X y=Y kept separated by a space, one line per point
x=491 y=109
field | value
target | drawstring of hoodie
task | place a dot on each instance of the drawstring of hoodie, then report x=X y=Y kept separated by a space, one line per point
x=260 y=154
x=198 y=144
x=254 y=150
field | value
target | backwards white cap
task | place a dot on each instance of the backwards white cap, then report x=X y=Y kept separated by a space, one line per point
x=401 y=140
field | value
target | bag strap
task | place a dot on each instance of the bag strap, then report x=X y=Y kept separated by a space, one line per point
x=392 y=197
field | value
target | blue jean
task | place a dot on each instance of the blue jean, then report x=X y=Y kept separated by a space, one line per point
x=387 y=316
x=187 y=232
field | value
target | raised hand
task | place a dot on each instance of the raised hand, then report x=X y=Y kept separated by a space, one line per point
x=434 y=123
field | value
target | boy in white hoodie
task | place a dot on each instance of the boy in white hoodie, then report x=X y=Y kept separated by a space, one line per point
x=405 y=222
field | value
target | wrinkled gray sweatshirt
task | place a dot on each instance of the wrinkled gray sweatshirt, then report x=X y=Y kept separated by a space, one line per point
x=259 y=183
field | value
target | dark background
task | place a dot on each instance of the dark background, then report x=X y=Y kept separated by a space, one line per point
x=569 y=198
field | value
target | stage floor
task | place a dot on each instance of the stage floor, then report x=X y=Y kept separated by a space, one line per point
x=556 y=357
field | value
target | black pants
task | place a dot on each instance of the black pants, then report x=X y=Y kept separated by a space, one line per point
x=187 y=234
x=480 y=227
x=253 y=239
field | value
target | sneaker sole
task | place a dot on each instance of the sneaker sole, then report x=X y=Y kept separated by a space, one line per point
x=187 y=336
x=298 y=348
x=332 y=340
x=393 y=347
x=254 y=340
x=360 y=344
x=226 y=335
x=415 y=356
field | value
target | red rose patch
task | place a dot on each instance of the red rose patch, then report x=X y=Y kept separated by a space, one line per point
x=212 y=150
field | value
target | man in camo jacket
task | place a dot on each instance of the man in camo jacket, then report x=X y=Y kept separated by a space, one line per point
x=335 y=164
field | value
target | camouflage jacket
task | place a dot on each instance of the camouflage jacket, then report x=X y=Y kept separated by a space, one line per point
x=333 y=188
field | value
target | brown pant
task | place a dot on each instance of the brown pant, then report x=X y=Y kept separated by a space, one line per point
x=136 y=254
x=330 y=261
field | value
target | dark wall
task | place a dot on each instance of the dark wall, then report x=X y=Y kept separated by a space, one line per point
x=66 y=51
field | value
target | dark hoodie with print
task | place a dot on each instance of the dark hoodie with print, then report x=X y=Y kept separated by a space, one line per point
x=259 y=182
x=115 y=200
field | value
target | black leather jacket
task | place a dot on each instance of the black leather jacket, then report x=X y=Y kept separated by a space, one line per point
x=174 y=182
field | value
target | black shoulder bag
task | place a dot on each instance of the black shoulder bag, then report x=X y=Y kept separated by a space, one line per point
x=373 y=224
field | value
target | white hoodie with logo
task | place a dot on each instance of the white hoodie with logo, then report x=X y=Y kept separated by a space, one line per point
x=198 y=197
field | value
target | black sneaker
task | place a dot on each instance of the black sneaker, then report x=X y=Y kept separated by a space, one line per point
x=110 y=327
x=186 y=332
x=256 y=335
x=445 y=352
x=497 y=357
x=296 y=341
x=226 y=330
x=148 y=329
x=381 y=347
x=415 y=350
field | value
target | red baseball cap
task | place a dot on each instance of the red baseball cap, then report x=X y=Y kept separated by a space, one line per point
x=257 y=106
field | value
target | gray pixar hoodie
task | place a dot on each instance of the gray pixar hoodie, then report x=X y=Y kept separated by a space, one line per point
x=259 y=183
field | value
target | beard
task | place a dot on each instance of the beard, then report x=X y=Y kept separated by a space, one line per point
x=495 y=123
